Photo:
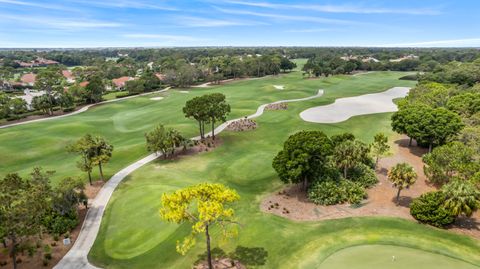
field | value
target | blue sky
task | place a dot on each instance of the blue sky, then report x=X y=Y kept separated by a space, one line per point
x=122 y=23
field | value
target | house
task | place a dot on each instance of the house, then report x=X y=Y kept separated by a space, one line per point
x=119 y=83
x=349 y=57
x=28 y=79
x=370 y=59
x=67 y=74
x=160 y=76
x=403 y=58
x=83 y=84
x=36 y=63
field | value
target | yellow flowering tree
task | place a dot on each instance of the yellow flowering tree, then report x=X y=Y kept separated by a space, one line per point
x=203 y=205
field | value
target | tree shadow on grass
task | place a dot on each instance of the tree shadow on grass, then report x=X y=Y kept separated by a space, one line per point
x=254 y=256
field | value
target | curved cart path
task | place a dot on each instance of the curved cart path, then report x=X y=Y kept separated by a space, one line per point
x=77 y=256
x=83 y=109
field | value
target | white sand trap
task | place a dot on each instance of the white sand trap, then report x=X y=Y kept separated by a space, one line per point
x=184 y=91
x=345 y=108
x=279 y=87
x=156 y=98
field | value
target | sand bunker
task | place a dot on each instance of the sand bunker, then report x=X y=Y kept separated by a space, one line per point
x=184 y=91
x=345 y=108
x=279 y=87
x=156 y=98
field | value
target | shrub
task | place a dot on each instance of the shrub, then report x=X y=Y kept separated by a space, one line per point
x=326 y=193
x=364 y=175
x=3 y=263
x=331 y=192
x=428 y=208
x=47 y=256
x=60 y=224
x=45 y=262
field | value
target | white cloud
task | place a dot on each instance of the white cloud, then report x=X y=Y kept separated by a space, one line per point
x=207 y=22
x=313 y=30
x=125 y=4
x=339 y=8
x=59 y=23
x=36 y=5
x=162 y=37
x=468 y=42
x=286 y=17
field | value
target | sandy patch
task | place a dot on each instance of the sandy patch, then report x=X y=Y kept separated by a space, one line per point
x=184 y=91
x=345 y=108
x=279 y=87
x=156 y=98
x=292 y=202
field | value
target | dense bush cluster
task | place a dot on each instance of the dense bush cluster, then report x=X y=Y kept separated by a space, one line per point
x=429 y=209
x=330 y=192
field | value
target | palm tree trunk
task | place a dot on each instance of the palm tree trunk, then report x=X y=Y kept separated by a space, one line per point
x=376 y=162
x=101 y=171
x=398 y=195
x=430 y=147
x=345 y=172
x=209 y=253
x=410 y=142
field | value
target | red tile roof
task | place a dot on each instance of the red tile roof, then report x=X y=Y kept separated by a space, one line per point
x=28 y=78
x=83 y=83
x=67 y=74
x=120 y=82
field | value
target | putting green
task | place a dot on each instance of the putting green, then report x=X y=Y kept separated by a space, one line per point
x=391 y=257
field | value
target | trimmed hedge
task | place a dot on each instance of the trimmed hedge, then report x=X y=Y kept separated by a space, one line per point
x=331 y=192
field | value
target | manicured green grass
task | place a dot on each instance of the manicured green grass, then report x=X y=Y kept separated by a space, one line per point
x=392 y=257
x=124 y=123
x=113 y=95
x=132 y=234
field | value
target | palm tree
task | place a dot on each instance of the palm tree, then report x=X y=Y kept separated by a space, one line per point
x=348 y=153
x=461 y=197
x=402 y=176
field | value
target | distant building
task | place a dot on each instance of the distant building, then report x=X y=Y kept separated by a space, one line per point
x=349 y=57
x=37 y=63
x=403 y=58
x=370 y=59
x=83 y=84
x=67 y=74
x=119 y=83
x=28 y=79
x=28 y=96
x=160 y=76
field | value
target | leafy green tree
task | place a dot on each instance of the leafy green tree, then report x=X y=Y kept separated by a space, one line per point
x=83 y=147
x=94 y=89
x=379 y=146
x=101 y=151
x=136 y=86
x=203 y=205
x=466 y=104
x=449 y=161
x=286 y=64
x=163 y=140
x=461 y=197
x=217 y=109
x=66 y=101
x=303 y=157
x=197 y=108
x=18 y=216
x=15 y=107
x=40 y=194
x=42 y=103
x=439 y=127
x=67 y=195
x=49 y=80
x=402 y=176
